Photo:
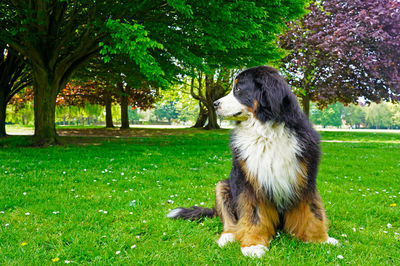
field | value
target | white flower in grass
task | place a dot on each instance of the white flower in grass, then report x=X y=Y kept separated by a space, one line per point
x=122 y=173
x=340 y=257
x=6 y=225
x=133 y=246
x=64 y=172
x=56 y=212
x=67 y=261
x=84 y=170
x=117 y=252
x=27 y=213
x=24 y=193
x=1 y=211
x=389 y=226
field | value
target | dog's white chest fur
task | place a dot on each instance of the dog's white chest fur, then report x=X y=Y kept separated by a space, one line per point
x=269 y=151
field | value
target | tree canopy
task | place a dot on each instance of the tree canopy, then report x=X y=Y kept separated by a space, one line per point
x=163 y=38
x=342 y=50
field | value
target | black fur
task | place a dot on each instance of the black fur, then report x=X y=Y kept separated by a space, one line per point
x=195 y=213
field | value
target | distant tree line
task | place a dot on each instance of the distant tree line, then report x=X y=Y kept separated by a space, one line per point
x=374 y=116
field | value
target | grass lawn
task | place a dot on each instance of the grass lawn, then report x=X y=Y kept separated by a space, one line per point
x=102 y=200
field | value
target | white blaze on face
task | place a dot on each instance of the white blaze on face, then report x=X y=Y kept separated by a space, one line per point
x=230 y=108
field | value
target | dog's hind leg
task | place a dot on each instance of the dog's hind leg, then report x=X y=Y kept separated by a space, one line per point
x=226 y=212
x=258 y=220
x=307 y=221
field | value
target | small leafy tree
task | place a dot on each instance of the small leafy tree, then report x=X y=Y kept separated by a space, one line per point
x=331 y=116
x=354 y=115
x=378 y=116
x=167 y=111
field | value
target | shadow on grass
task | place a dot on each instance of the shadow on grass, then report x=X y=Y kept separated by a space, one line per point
x=97 y=136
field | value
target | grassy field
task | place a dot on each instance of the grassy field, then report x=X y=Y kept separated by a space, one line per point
x=103 y=200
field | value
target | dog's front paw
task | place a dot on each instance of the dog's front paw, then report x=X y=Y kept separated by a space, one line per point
x=332 y=241
x=256 y=251
x=225 y=238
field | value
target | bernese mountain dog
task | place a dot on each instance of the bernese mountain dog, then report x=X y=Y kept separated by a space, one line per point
x=272 y=183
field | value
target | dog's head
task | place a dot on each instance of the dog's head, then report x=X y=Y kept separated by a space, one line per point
x=259 y=91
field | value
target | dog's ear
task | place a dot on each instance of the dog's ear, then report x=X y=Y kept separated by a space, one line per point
x=272 y=97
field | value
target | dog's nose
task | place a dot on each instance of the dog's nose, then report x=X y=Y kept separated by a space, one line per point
x=216 y=104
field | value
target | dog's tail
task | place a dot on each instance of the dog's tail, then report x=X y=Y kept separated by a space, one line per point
x=192 y=213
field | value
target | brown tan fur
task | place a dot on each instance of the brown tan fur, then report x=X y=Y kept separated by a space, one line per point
x=254 y=108
x=307 y=220
x=253 y=230
x=257 y=217
x=302 y=176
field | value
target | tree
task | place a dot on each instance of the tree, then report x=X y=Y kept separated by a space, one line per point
x=354 y=115
x=98 y=91
x=342 y=50
x=58 y=37
x=167 y=111
x=215 y=86
x=14 y=76
x=378 y=116
x=331 y=116
x=133 y=115
x=395 y=115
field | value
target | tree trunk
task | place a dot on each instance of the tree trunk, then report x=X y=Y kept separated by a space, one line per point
x=107 y=102
x=213 y=92
x=212 y=118
x=124 y=111
x=3 y=107
x=305 y=102
x=202 y=118
x=45 y=88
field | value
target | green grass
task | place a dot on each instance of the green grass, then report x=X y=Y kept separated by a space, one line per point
x=136 y=179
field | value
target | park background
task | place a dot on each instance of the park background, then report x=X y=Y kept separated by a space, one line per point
x=107 y=122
